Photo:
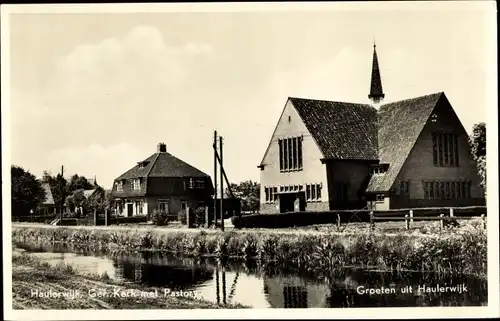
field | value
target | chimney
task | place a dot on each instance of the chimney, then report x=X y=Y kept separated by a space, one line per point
x=162 y=148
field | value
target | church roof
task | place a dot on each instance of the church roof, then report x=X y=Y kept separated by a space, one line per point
x=348 y=131
x=341 y=130
x=376 y=90
x=400 y=125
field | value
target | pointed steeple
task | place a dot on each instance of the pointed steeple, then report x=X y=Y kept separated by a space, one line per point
x=376 y=93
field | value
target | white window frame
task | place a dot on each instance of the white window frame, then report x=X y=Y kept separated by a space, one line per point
x=136 y=184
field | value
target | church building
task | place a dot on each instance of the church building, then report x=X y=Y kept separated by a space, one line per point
x=327 y=155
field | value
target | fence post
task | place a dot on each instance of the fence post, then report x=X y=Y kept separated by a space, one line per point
x=411 y=217
x=206 y=217
x=188 y=210
x=338 y=221
x=441 y=222
x=407 y=222
x=451 y=212
x=483 y=220
x=372 y=222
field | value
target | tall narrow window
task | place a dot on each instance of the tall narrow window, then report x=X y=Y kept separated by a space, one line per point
x=440 y=148
x=280 y=144
x=431 y=189
x=267 y=194
x=318 y=192
x=308 y=192
x=286 y=148
x=313 y=191
x=451 y=142
x=445 y=149
x=275 y=193
x=455 y=138
x=299 y=152
x=294 y=153
x=426 y=190
x=434 y=149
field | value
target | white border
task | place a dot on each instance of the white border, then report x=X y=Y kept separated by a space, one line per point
x=491 y=310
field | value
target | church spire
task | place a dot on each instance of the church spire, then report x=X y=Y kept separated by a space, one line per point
x=376 y=92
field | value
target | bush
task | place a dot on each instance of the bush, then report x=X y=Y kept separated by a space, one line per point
x=282 y=220
x=159 y=218
x=181 y=217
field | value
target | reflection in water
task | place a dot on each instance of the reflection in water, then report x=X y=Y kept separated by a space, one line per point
x=264 y=287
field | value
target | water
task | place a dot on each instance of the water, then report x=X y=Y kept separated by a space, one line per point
x=251 y=285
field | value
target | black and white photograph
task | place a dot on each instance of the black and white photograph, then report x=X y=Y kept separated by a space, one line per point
x=274 y=160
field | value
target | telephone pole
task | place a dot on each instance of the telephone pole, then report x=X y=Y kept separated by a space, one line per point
x=61 y=186
x=215 y=178
x=221 y=187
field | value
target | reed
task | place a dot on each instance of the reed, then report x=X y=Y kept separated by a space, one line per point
x=463 y=251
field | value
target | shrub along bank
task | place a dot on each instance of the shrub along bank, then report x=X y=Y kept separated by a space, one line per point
x=463 y=251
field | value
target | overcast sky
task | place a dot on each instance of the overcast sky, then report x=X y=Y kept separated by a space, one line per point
x=96 y=92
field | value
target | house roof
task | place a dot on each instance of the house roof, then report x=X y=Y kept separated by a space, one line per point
x=162 y=164
x=400 y=125
x=49 y=198
x=88 y=192
x=341 y=130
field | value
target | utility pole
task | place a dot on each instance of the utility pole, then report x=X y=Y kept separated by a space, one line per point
x=221 y=187
x=215 y=178
x=62 y=194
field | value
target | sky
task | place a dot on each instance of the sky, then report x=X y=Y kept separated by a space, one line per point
x=96 y=92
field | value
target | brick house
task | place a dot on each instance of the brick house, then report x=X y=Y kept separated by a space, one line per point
x=163 y=182
x=326 y=155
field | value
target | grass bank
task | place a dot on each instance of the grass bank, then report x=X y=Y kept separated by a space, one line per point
x=38 y=285
x=462 y=250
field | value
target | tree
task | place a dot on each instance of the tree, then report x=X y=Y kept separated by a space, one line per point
x=477 y=141
x=27 y=191
x=75 y=200
x=78 y=182
x=248 y=192
x=97 y=201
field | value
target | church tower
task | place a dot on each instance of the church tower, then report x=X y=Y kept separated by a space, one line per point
x=376 y=93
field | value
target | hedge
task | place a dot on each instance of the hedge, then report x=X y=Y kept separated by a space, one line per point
x=281 y=220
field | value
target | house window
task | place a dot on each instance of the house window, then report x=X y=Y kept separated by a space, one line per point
x=136 y=184
x=379 y=197
x=119 y=186
x=290 y=154
x=139 y=205
x=191 y=183
x=404 y=188
x=313 y=192
x=446 y=190
x=183 y=205
x=271 y=194
x=199 y=183
x=445 y=149
x=163 y=206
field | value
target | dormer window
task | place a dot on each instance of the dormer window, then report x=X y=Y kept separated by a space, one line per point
x=196 y=183
x=142 y=164
x=378 y=169
x=136 y=184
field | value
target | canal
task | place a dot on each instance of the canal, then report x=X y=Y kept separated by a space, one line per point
x=253 y=285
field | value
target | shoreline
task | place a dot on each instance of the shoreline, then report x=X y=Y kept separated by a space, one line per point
x=462 y=251
x=38 y=285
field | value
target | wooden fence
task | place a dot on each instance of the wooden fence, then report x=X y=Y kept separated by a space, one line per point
x=440 y=216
